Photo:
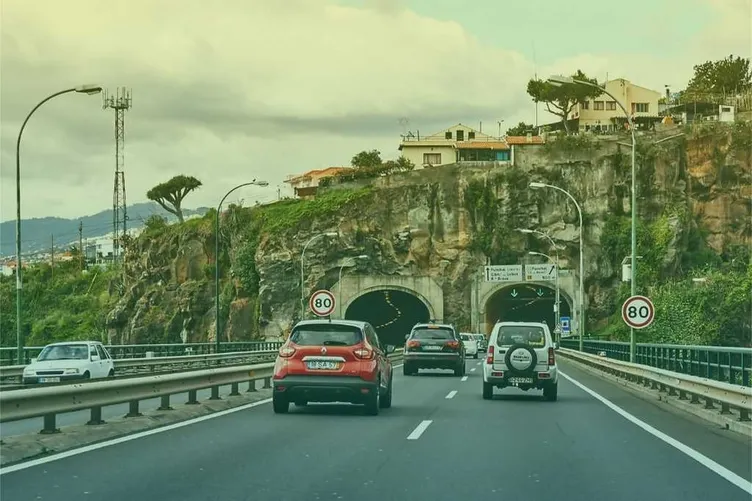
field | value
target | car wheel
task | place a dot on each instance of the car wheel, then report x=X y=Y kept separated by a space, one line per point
x=460 y=371
x=111 y=373
x=280 y=404
x=551 y=392
x=385 y=401
x=87 y=375
x=487 y=391
x=372 y=401
x=475 y=356
x=407 y=370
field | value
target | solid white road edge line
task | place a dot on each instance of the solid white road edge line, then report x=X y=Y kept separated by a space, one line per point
x=418 y=431
x=697 y=456
x=464 y=378
x=135 y=436
x=451 y=394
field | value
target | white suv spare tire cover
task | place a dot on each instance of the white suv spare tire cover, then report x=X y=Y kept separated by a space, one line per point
x=520 y=359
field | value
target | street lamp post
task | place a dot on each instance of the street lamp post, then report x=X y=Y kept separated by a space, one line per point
x=558 y=295
x=633 y=254
x=83 y=89
x=339 y=281
x=216 y=257
x=302 y=268
x=581 y=312
x=556 y=249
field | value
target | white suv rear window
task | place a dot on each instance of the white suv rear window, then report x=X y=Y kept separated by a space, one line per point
x=521 y=334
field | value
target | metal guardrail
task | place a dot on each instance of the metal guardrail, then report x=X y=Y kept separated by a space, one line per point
x=131 y=366
x=720 y=363
x=48 y=402
x=8 y=355
x=685 y=387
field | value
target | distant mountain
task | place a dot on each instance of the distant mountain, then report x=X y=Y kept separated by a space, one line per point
x=37 y=234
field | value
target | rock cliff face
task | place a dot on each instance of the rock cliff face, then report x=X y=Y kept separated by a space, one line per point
x=693 y=204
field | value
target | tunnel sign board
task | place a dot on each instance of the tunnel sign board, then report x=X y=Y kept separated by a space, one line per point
x=322 y=303
x=504 y=273
x=540 y=272
x=638 y=312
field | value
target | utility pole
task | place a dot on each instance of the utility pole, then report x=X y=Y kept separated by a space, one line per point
x=81 y=244
x=52 y=252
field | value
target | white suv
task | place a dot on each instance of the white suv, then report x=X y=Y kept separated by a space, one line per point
x=521 y=354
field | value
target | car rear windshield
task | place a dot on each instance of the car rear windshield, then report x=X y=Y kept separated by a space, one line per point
x=432 y=333
x=465 y=337
x=521 y=334
x=326 y=335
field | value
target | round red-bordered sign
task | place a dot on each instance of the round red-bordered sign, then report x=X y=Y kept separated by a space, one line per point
x=638 y=312
x=322 y=303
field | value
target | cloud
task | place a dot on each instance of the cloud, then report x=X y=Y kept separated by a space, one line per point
x=256 y=89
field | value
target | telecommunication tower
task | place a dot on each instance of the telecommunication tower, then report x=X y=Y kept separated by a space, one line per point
x=120 y=101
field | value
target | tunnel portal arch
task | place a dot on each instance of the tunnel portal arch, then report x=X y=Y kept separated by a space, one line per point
x=523 y=301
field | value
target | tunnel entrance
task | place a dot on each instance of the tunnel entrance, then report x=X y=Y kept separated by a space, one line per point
x=525 y=303
x=393 y=313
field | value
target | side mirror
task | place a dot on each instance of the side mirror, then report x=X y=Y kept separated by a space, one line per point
x=556 y=346
x=390 y=348
x=407 y=336
x=95 y=358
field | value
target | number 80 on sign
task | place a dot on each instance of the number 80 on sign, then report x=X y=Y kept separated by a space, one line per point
x=322 y=303
x=638 y=312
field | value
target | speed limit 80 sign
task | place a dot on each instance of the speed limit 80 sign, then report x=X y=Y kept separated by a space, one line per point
x=638 y=312
x=322 y=303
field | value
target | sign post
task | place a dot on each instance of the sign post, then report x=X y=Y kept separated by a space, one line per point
x=638 y=312
x=322 y=303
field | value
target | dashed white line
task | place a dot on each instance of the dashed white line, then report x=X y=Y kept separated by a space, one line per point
x=464 y=378
x=473 y=369
x=418 y=431
x=732 y=477
x=451 y=394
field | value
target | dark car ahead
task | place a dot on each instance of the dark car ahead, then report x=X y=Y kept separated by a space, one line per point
x=434 y=346
x=333 y=361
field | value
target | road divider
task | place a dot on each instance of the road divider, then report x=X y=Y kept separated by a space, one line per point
x=730 y=400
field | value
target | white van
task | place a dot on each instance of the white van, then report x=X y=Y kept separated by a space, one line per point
x=522 y=355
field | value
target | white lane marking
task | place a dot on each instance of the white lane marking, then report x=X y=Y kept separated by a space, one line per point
x=697 y=456
x=418 y=431
x=128 y=438
x=116 y=441
x=464 y=378
x=471 y=370
x=451 y=394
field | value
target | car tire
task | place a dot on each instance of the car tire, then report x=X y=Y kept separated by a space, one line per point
x=385 y=402
x=111 y=373
x=460 y=371
x=373 y=401
x=475 y=356
x=86 y=375
x=407 y=369
x=280 y=404
x=551 y=392
x=487 y=391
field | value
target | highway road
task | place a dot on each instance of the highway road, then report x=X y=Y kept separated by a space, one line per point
x=439 y=441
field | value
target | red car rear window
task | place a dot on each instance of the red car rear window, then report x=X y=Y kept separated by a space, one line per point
x=326 y=335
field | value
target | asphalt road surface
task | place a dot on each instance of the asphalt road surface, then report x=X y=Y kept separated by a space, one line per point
x=439 y=441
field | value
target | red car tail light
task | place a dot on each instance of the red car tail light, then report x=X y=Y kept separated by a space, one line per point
x=413 y=344
x=453 y=345
x=490 y=358
x=364 y=353
x=286 y=351
x=551 y=357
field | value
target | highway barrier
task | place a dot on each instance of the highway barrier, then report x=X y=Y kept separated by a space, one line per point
x=120 y=351
x=153 y=365
x=686 y=387
x=721 y=363
x=49 y=401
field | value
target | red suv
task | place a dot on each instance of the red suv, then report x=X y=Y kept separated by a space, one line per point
x=333 y=361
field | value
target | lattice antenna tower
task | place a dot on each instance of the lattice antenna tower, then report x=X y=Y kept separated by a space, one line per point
x=404 y=123
x=119 y=101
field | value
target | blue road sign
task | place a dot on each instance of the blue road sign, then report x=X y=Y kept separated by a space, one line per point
x=565 y=328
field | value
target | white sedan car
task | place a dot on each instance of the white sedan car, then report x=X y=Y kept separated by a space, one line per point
x=471 y=345
x=70 y=361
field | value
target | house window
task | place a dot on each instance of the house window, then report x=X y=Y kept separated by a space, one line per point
x=460 y=135
x=448 y=134
x=471 y=135
x=640 y=107
x=431 y=158
x=598 y=105
x=585 y=105
x=611 y=105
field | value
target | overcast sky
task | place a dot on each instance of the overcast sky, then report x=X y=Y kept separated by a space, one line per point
x=231 y=90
